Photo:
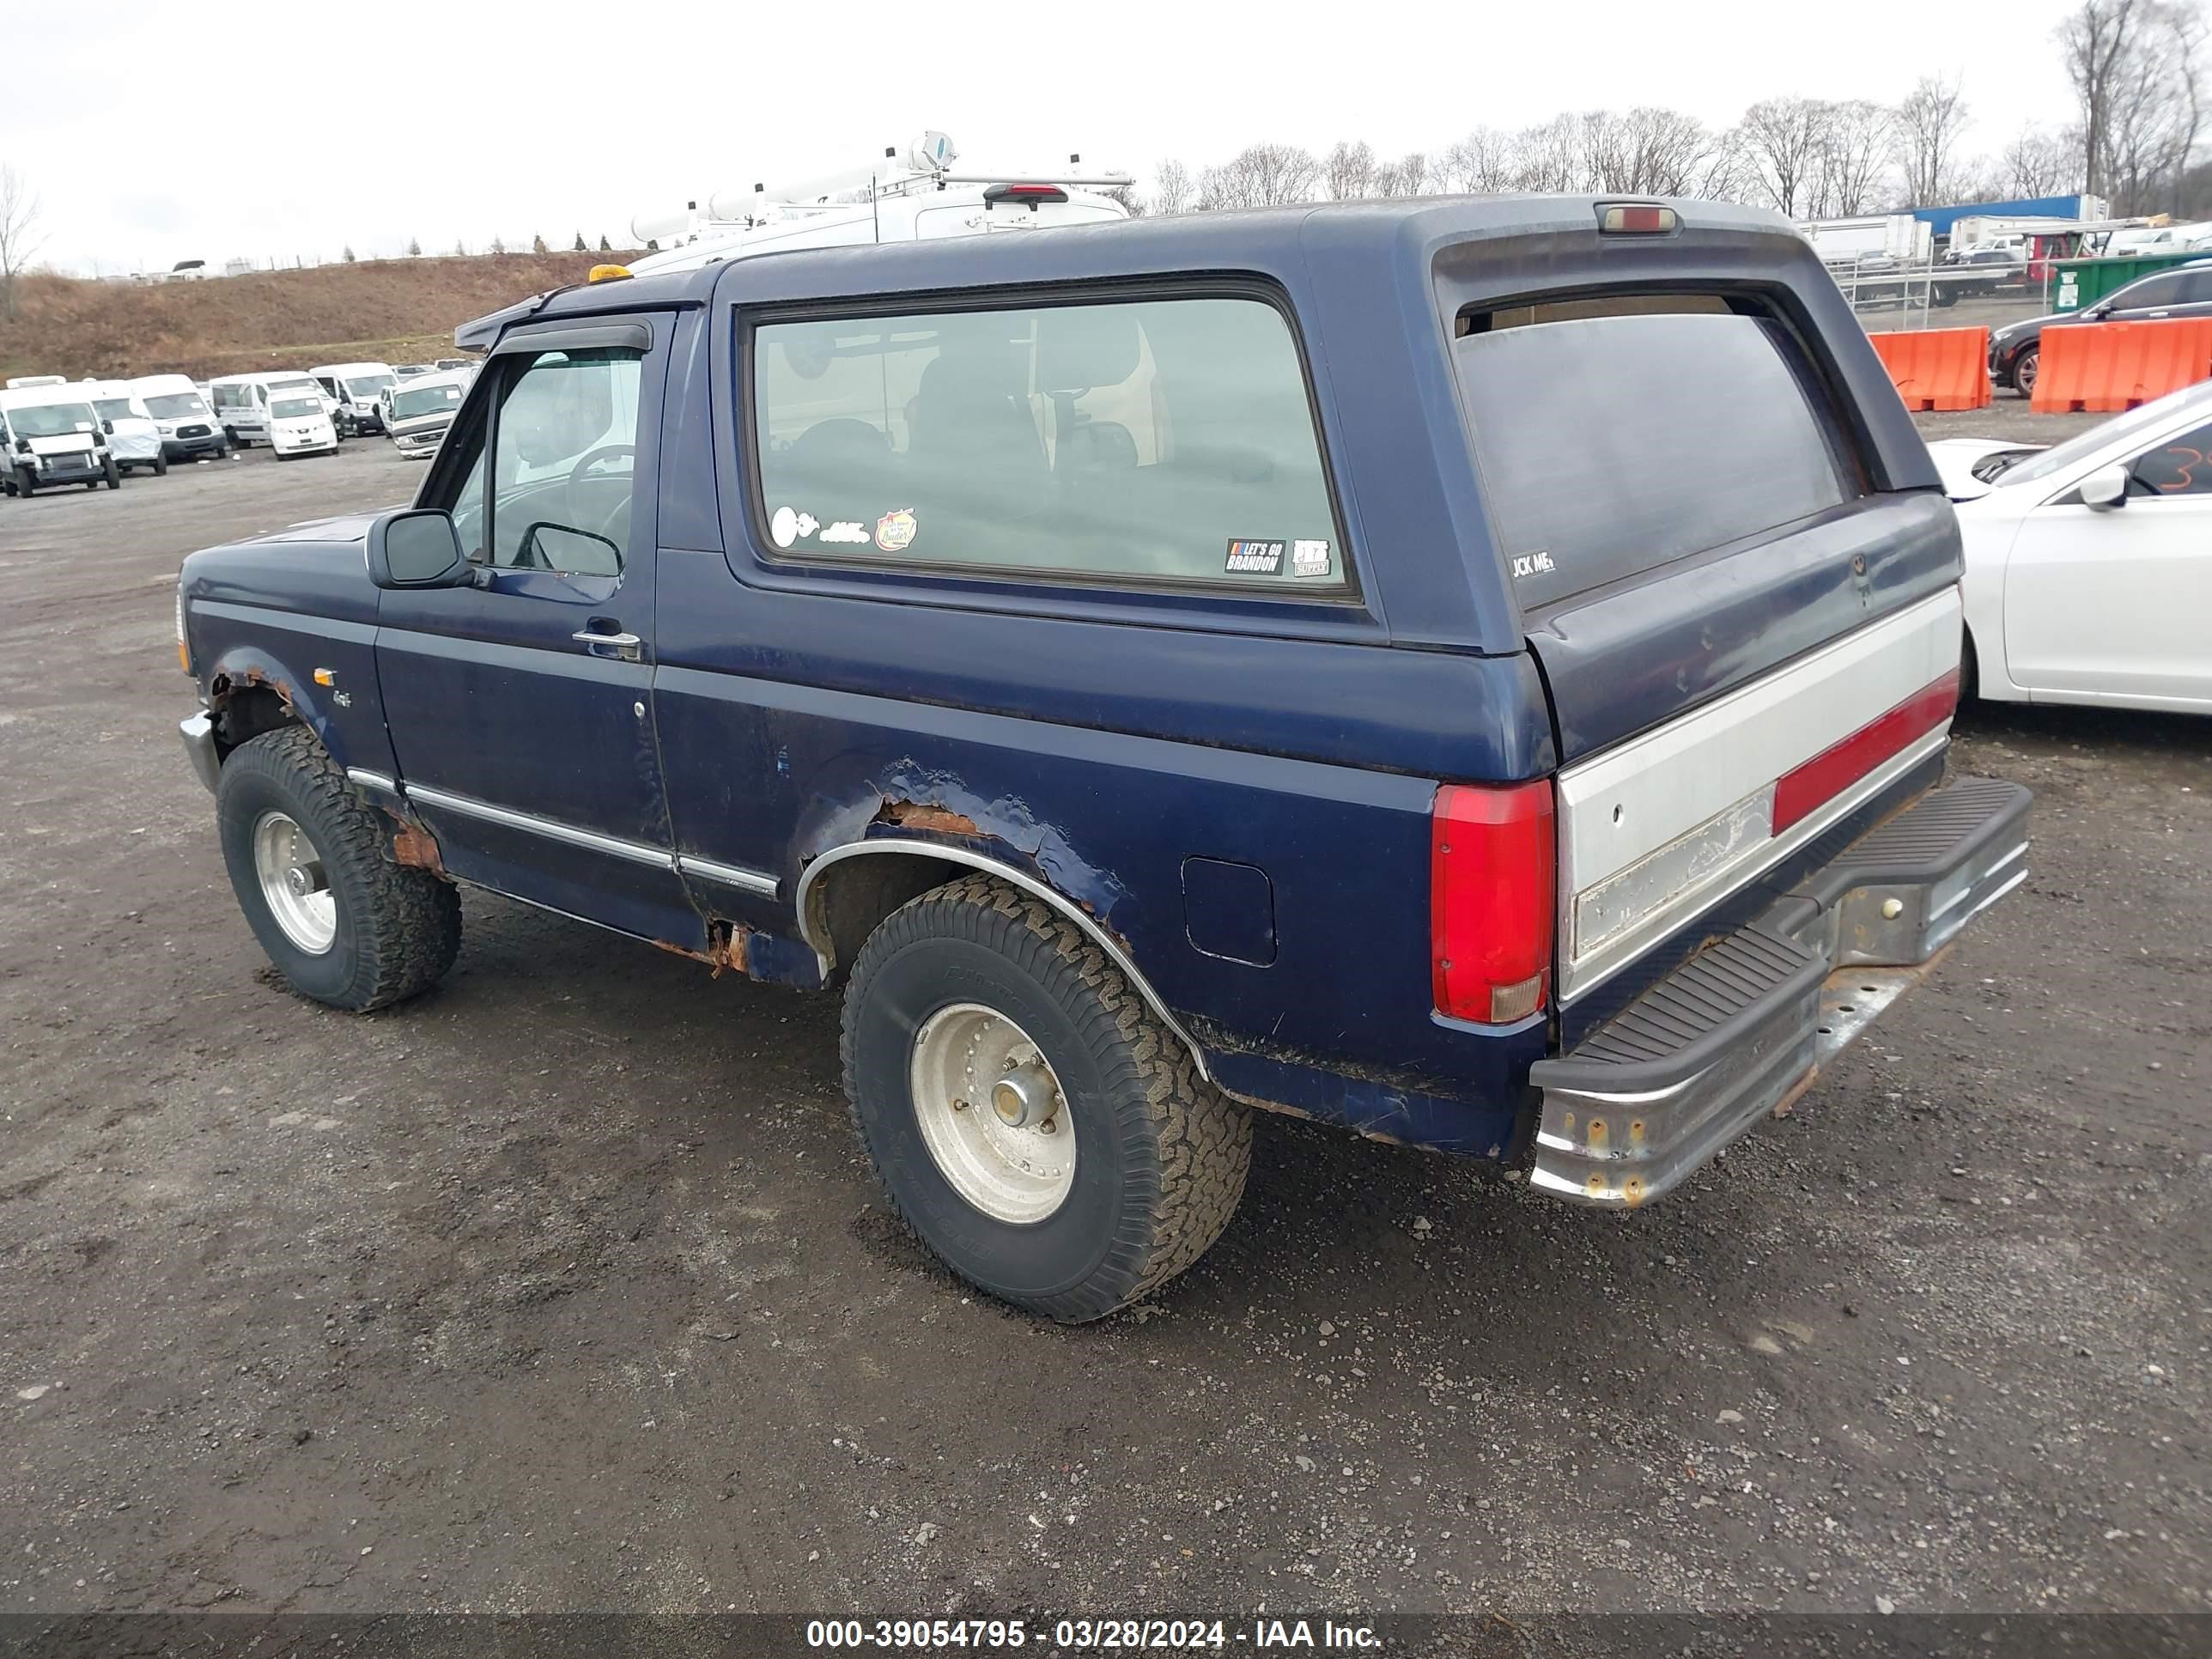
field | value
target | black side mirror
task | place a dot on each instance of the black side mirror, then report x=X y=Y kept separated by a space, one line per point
x=108 y=427
x=571 y=552
x=416 y=547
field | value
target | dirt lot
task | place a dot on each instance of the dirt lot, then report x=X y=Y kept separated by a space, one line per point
x=566 y=1288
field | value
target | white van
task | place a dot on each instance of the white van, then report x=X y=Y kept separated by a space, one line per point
x=54 y=437
x=132 y=436
x=354 y=388
x=188 y=428
x=241 y=401
x=418 y=411
x=298 y=424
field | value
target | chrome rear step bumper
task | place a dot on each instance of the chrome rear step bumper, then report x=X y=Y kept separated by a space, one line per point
x=1747 y=1023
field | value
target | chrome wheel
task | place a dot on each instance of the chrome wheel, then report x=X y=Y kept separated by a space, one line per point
x=294 y=883
x=992 y=1113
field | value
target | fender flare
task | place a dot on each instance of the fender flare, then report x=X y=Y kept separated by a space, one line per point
x=247 y=666
x=914 y=847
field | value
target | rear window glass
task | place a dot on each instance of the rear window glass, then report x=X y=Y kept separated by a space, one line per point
x=1147 y=442
x=1612 y=445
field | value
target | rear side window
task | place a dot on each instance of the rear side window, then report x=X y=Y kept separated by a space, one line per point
x=1144 y=442
x=1610 y=445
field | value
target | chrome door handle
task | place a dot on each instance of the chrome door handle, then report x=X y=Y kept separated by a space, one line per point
x=627 y=646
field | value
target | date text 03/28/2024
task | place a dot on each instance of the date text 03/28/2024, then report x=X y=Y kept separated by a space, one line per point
x=1087 y=1635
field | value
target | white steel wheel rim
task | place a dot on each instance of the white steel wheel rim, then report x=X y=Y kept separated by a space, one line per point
x=295 y=884
x=992 y=1113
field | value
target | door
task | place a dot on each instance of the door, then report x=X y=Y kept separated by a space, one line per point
x=520 y=706
x=2107 y=605
x=2152 y=300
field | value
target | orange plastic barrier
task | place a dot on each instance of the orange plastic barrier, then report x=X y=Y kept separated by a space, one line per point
x=1938 y=368
x=2103 y=367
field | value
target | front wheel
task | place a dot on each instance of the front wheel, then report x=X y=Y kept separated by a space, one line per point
x=1029 y=1117
x=114 y=474
x=309 y=862
x=2025 y=368
x=161 y=466
x=26 y=485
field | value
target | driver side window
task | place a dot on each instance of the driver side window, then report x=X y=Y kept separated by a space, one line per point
x=562 y=458
x=2183 y=467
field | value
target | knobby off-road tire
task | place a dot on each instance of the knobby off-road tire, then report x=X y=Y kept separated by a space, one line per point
x=398 y=928
x=1160 y=1155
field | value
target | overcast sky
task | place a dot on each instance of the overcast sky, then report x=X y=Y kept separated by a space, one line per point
x=244 y=128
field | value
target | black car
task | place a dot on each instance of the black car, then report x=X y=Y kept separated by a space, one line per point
x=2016 y=350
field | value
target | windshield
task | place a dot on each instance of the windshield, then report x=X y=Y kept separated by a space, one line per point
x=369 y=385
x=294 y=409
x=294 y=388
x=174 y=405
x=407 y=404
x=114 y=409
x=2061 y=456
x=50 y=420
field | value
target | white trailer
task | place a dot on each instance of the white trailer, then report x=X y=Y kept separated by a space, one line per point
x=1894 y=236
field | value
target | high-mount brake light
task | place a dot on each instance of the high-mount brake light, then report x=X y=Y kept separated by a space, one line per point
x=1492 y=900
x=1635 y=219
x=1030 y=193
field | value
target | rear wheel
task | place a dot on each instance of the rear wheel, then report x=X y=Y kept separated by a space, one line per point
x=1029 y=1117
x=1970 y=670
x=308 y=860
x=2025 y=368
x=161 y=466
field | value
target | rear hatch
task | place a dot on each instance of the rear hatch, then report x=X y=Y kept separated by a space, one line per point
x=1736 y=565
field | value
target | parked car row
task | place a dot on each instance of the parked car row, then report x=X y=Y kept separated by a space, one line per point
x=2016 y=350
x=55 y=431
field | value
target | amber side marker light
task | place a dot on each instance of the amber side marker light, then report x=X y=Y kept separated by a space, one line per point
x=1635 y=219
x=609 y=274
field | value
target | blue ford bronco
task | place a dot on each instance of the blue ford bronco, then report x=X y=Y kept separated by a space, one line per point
x=1478 y=672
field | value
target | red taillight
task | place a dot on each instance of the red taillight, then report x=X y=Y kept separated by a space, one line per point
x=1491 y=899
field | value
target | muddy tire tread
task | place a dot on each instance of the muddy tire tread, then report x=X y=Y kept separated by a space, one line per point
x=1204 y=1139
x=416 y=915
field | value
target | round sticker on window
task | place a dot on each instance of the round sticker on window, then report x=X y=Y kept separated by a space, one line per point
x=894 y=530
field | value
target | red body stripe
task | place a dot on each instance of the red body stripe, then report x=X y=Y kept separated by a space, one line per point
x=1804 y=789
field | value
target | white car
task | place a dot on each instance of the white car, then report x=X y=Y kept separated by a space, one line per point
x=2089 y=564
x=299 y=425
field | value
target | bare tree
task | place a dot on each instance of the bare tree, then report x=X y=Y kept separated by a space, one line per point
x=21 y=238
x=1930 y=123
x=497 y=246
x=2155 y=108
x=1172 y=189
x=2037 y=163
x=1482 y=163
x=1779 y=141
x=2092 y=44
x=1852 y=156
x=1406 y=176
x=1132 y=204
x=1549 y=157
x=345 y=253
x=1261 y=175
x=1348 y=172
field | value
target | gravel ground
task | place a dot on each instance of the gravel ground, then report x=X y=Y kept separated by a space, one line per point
x=565 y=1287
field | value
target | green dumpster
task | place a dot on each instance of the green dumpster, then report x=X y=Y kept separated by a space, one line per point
x=2077 y=283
